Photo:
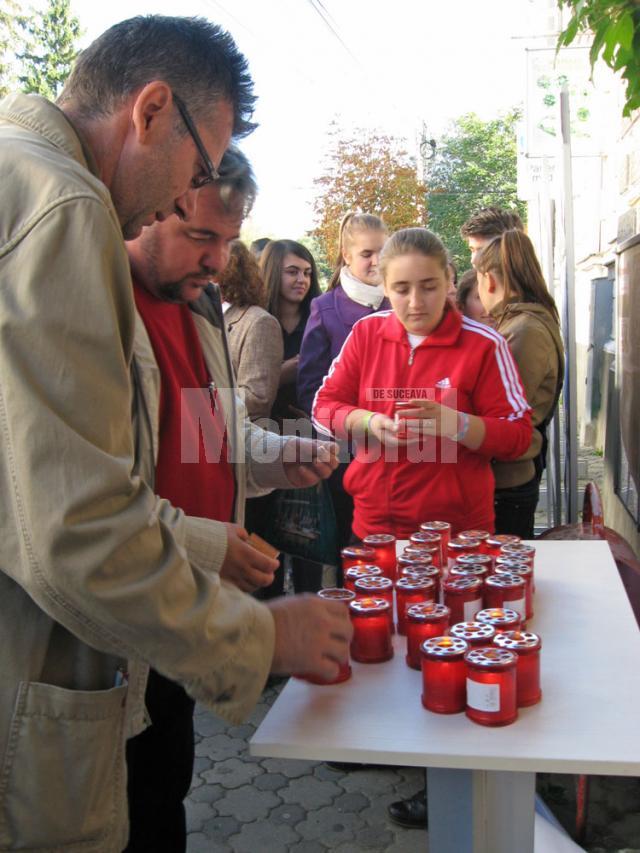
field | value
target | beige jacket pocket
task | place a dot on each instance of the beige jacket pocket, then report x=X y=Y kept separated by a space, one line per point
x=63 y=783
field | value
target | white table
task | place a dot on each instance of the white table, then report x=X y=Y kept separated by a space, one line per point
x=481 y=780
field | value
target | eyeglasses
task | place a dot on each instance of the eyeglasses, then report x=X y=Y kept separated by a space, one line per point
x=212 y=173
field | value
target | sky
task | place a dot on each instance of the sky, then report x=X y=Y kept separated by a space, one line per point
x=367 y=64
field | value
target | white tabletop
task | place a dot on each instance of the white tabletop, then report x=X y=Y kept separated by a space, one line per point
x=587 y=721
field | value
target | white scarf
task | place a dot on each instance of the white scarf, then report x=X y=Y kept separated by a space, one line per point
x=370 y=295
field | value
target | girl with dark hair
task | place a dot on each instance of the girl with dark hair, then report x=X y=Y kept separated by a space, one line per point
x=291 y=282
x=513 y=290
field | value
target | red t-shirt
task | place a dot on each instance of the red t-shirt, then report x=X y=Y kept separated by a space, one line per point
x=192 y=470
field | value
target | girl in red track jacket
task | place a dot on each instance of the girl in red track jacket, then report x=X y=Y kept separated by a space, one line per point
x=463 y=401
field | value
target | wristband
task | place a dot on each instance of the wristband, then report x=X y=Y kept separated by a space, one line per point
x=366 y=420
x=463 y=426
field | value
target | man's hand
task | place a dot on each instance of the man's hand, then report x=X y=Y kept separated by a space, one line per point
x=312 y=635
x=243 y=565
x=307 y=461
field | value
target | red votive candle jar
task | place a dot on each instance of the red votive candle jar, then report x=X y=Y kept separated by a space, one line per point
x=480 y=535
x=524 y=571
x=371 y=642
x=384 y=545
x=456 y=547
x=430 y=541
x=419 y=552
x=500 y=618
x=376 y=586
x=494 y=543
x=356 y=572
x=464 y=598
x=418 y=571
x=527 y=647
x=407 y=562
x=412 y=590
x=424 y=620
x=357 y=555
x=475 y=560
x=444 y=675
x=468 y=570
x=344 y=673
x=506 y=590
x=473 y=633
x=491 y=686
x=520 y=550
x=443 y=529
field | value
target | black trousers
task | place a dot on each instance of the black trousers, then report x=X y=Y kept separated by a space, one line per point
x=160 y=767
x=516 y=508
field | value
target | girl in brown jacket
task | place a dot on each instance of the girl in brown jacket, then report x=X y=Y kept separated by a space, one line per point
x=512 y=288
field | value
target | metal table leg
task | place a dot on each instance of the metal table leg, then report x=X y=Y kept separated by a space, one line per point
x=480 y=811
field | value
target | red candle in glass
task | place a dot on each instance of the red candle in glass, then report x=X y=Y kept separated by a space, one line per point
x=494 y=543
x=521 y=550
x=371 y=642
x=475 y=560
x=424 y=620
x=406 y=562
x=443 y=529
x=491 y=686
x=464 y=598
x=412 y=590
x=357 y=555
x=500 y=618
x=506 y=590
x=430 y=541
x=527 y=647
x=384 y=545
x=524 y=571
x=376 y=586
x=456 y=547
x=427 y=549
x=480 y=535
x=468 y=570
x=344 y=673
x=355 y=572
x=418 y=571
x=444 y=675
x=473 y=633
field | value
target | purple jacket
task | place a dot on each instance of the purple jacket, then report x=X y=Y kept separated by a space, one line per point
x=330 y=321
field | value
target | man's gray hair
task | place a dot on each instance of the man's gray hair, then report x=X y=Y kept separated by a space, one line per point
x=237 y=183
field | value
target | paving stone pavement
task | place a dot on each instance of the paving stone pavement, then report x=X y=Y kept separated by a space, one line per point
x=244 y=804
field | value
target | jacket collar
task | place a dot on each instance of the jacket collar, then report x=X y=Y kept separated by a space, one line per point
x=46 y=119
x=444 y=335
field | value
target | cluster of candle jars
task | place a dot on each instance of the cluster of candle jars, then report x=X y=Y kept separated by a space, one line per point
x=461 y=603
x=485 y=673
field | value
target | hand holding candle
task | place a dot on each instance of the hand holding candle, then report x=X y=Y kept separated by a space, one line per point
x=311 y=635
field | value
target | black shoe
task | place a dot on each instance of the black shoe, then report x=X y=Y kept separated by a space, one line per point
x=410 y=813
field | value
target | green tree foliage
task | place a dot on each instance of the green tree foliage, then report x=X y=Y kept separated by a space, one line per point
x=615 y=25
x=50 y=48
x=474 y=166
x=9 y=37
x=369 y=172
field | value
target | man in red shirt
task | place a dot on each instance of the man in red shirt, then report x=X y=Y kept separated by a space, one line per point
x=197 y=466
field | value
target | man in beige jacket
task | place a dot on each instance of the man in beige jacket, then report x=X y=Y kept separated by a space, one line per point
x=98 y=576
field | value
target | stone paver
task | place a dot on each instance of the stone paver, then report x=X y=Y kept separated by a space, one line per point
x=232 y=773
x=247 y=804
